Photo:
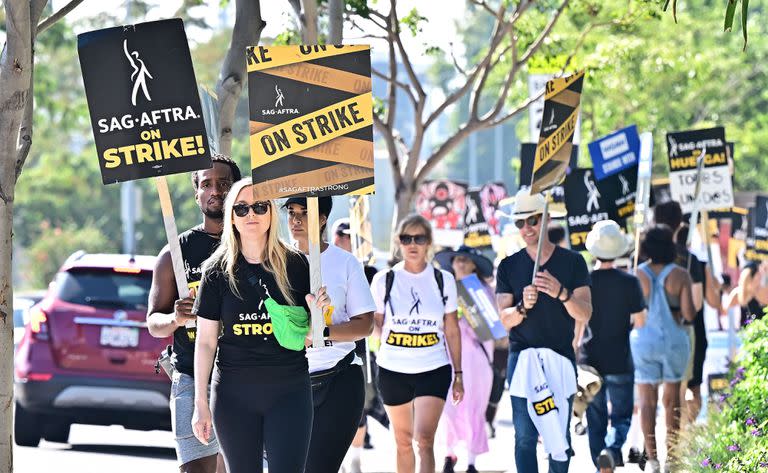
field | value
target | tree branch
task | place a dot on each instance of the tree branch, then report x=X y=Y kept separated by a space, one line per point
x=395 y=26
x=402 y=85
x=51 y=20
x=246 y=32
x=335 y=21
x=392 y=88
x=544 y=33
x=444 y=149
x=394 y=157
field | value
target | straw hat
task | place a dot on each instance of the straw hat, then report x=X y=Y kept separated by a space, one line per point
x=606 y=241
x=525 y=205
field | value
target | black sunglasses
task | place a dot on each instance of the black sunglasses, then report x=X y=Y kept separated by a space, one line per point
x=532 y=221
x=259 y=208
x=406 y=239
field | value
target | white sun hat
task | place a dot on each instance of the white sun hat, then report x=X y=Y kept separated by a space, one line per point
x=606 y=241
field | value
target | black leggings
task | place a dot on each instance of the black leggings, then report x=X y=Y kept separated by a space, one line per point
x=338 y=409
x=252 y=413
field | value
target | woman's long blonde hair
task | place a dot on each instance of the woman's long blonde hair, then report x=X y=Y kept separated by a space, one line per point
x=274 y=257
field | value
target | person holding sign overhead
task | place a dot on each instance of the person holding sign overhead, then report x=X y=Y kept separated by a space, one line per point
x=338 y=388
x=255 y=286
x=466 y=421
x=541 y=314
x=167 y=314
x=416 y=320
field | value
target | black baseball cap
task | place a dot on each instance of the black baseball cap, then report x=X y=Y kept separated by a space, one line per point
x=325 y=204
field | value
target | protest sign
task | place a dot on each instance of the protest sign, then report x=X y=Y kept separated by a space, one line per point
x=479 y=309
x=528 y=155
x=491 y=195
x=311 y=120
x=585 y=204
x=143 y=101
x=757 y=242
x=443 y=203
x=360 y=230
x=553 y=150
x=615 y=152
x=619 y=191
x=476 y=230
x=683 y=148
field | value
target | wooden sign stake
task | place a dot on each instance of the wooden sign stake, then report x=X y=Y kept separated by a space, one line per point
x=542 y=235
x=315 y=275
x=173 y=240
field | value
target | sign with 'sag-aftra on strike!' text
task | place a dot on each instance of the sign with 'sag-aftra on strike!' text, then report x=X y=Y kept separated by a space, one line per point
x=143 y=101
x=311 y=120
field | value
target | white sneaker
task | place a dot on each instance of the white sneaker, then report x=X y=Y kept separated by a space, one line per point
x=652 y=466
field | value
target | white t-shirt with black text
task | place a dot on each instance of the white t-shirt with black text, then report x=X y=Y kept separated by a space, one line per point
x=347 y=286
x=413 y=337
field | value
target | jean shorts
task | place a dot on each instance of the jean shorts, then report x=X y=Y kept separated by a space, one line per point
x=188 y=448
x=654 y=366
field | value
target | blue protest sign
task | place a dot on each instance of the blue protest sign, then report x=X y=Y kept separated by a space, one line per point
x=615 y=152
x=478 y=307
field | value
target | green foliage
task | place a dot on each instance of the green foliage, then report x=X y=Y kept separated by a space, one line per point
x=735 y=437
x=54 y=244
x=413 y=21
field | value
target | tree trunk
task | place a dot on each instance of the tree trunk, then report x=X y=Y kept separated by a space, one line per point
x=309 y=21
x=16 y=65
x=232 y=78
x=335 y=21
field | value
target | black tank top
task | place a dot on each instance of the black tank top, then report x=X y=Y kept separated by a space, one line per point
x=196 y=247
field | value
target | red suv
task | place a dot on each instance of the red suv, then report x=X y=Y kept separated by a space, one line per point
x=86 y=356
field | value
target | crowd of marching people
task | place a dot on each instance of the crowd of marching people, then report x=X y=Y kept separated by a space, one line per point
x=248 y=383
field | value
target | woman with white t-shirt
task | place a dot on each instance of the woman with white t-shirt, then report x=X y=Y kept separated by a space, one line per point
x=338 y=386
x=417 y=323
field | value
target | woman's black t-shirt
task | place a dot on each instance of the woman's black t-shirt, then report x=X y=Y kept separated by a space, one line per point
x=247 y=339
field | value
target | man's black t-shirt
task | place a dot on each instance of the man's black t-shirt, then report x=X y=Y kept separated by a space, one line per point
x=616 y=295
x=196 y=247
x=247 y=339
x=548 y=324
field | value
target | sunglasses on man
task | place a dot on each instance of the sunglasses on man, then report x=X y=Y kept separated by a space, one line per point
x=532 y=221
x=406 y=239
x=259 y=208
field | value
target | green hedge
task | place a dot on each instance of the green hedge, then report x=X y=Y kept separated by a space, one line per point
x=735 y=437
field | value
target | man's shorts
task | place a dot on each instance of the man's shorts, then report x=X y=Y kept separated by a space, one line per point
x=188 y=448
x=400 y=388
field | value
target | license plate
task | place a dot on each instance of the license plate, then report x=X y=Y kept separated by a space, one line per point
x=119 y=337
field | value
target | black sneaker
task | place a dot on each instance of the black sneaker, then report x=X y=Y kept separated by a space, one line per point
x=450 y=462
x=605 y=461
x=634 y=455
x=471 y=469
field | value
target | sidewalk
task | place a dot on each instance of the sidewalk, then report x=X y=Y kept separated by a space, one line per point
x=500 y=458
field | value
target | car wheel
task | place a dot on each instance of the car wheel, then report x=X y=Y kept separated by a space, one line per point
x=56 y=432
x=26 y=428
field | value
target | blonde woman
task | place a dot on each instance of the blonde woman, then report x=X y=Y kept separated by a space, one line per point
x=261 y=398
x=418 y=326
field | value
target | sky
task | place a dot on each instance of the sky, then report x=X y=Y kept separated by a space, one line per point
x=278 y=15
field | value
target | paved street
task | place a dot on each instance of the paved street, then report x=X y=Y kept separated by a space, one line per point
x=116 y=450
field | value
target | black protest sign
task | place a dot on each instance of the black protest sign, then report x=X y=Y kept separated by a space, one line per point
x=585 y=205
x=443 y=203
x=562 y=99
x=311 y=120
x=527 y=157
x=758 y=233
x=683 y=149
x=143 y=101
x=620 y=190
x=476 y=231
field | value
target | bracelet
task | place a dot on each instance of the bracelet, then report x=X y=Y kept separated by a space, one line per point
x=326 y=331
x=458 y=372
x=520 y=308
x=568 y=297
x=560 y=291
